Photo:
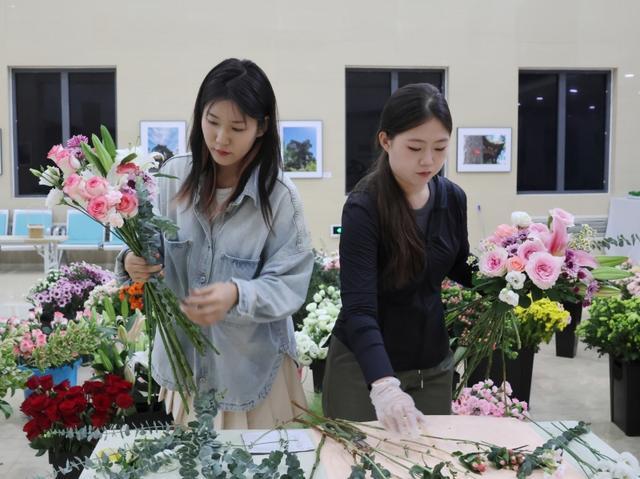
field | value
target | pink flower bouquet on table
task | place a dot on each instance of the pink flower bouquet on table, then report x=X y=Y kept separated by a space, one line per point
x=526 y=261
x=487 y=399
x=118 y=192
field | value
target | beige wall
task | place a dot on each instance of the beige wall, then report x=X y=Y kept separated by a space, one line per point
x=162 y=49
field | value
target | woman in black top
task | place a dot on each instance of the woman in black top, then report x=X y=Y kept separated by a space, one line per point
x=404 y=230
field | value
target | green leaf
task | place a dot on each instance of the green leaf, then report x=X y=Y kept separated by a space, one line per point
x=128 y=158
x=103 y=154
x=611 y=260
x=92 y=158
x=108 y=142
x=164 y=175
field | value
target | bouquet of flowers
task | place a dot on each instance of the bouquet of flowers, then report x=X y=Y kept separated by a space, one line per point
x=118 y=193
x=322 y=314
x=464 y=302
x=486 y=399
x=11 y=376
x=524 y=262
x=66 y=290
x=326 y=271
x=65 y=418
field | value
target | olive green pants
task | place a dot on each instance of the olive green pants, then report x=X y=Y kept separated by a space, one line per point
x=345 y=393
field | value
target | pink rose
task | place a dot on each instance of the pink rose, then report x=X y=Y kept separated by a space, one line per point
x=41 y=339
x=98 y=208
x=526 y=249
x=562 y=216
x=113 y=197
x=516 y=263
x=74 y=187
x=96 y=186
x=127 y=168
x=128 y=205
x=494 y=262
x=67 y=162
x=26 y=346
x=505 y=231
x=544 y=269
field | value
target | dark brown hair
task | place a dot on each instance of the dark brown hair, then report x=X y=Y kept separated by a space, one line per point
x=401 y=241
x=244 y=83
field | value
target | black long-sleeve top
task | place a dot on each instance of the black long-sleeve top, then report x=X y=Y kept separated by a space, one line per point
x=401 y=329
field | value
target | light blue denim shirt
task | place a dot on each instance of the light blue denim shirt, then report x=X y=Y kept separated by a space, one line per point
x=270 y=268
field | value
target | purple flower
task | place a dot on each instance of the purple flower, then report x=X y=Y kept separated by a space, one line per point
x=74 y=141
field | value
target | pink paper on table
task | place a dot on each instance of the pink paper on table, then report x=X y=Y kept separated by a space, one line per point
x=507 y=432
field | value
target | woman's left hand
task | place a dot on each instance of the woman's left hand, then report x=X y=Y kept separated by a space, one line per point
x=208 y=305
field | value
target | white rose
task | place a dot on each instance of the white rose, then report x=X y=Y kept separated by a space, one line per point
x=509 y=297
x=54 y=198
x=317 y=298
x=520 y=219
x=516 y=279
x=331 y=290
x=311 y=307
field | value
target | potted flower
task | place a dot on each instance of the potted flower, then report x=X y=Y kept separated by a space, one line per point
x=326 y=271
x=11 y=376
x=66 y=421
x=613 y=328
x=311 y=339
x=66 y=290
x=56 y=351
x=535 y=324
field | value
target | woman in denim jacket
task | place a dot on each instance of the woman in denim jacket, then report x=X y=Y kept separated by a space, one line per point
x=242 y=259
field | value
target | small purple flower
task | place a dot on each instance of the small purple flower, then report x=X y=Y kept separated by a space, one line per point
x=74 y=141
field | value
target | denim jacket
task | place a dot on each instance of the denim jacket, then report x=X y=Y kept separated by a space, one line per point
x=270 y=268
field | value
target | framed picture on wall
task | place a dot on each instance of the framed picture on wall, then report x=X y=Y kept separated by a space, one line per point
x=484 y=150
x=301 y=143
x=166 y=137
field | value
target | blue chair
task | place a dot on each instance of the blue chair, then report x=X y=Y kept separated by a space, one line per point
x=4 y=222
x=84 y=233
x=114 y=243
x=21 y=220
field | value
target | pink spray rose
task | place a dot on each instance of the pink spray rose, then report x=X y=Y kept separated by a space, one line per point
x=96 y=186
x=67 y=162
x=74 y=187
x=98 y=208
x=544 y=269
x=128 y=205
x=516 y=263
x=494 y=263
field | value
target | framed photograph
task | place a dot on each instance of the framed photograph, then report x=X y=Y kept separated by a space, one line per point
x=484 y=150
x=166 y=137
x=301 y=143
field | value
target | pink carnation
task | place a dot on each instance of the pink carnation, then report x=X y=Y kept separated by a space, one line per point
x=544 y=269
x=494 y=263
x=127 y=168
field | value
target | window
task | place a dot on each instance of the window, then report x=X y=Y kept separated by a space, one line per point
x=49 y=106
x=563 y=131
x=367 y=90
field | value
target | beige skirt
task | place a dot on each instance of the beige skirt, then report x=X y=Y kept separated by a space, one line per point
x=276 y=409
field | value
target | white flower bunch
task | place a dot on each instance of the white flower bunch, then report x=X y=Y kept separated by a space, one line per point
x=317 y=326
x=99 y=293
x=626 y=467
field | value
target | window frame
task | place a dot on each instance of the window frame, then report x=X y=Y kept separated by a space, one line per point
x=561 y=133
x=393 y=70
x=65 y=111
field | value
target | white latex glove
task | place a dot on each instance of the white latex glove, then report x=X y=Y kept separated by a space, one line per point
x=395 y=409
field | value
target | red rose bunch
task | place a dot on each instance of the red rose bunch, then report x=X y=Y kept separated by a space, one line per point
x=95 y=404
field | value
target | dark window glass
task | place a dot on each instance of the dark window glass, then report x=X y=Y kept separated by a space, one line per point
x=38 y=125
x=537 y=132
x=42 y=120
x=366 y=93
x=586 y=132
x=92 y=102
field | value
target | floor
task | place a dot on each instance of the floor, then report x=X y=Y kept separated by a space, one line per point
x=562 y=389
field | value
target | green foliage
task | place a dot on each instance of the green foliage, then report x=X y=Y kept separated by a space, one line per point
x=613 y=327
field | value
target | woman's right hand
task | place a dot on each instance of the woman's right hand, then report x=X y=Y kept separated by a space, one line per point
x=138 y=269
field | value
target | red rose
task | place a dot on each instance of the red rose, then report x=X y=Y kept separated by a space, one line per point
x=52 y=412
x=43 y=422
x=75 y=390
x=124 y=401
x=99 y=419
x=117 y=382
x=33 y=382
x=93 y=387
x=32 y=429
x=63 y=386
x=46 y=382
x=35 y=404
x=101 y=402
x=71 y=422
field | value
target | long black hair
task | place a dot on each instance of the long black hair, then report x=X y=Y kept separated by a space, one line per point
x=408 y=107
x=244 y=83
